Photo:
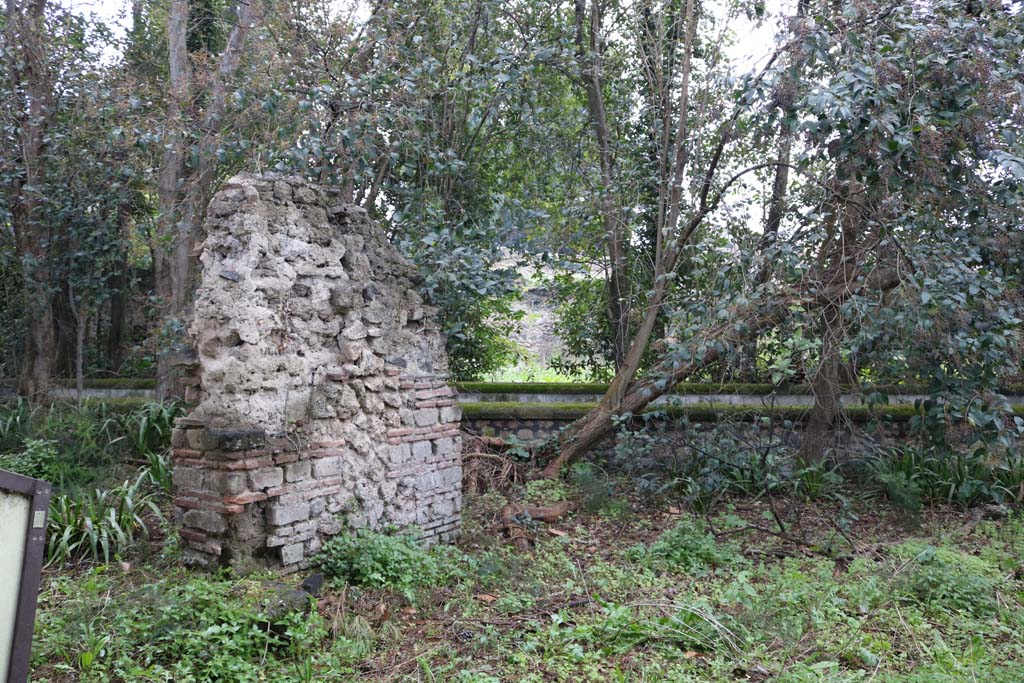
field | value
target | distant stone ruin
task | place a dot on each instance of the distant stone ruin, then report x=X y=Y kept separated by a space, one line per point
x=320 y=384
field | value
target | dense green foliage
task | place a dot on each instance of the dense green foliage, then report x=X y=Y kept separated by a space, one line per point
x=74 y=445
x=624 y=591
x=464 y=127
x=845 y=209
x=102 y=524
x=684 y=550
x=707 y=463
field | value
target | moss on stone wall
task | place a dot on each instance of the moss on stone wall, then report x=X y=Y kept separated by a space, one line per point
x=109 y=383
x=695 y=388
x=485 y=410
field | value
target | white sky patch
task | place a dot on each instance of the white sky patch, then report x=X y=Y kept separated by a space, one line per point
x=117 y=13
x=753 y=43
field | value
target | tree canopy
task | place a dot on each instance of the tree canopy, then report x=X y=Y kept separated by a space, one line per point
x=847 y=205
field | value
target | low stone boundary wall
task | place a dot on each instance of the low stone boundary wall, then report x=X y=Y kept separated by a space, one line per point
x=533 y=422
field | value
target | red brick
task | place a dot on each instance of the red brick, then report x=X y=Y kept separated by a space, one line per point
x=280 y=490
x=436 y=391
x=245 y=498
x=328 y=444
x=323 y=493
x=324 y=453
x=318 y=484
x=198 y=464
x=192 y=535
x=254 y=464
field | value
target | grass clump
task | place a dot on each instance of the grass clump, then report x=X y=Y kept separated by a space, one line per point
x=913 y=475
x=77 y=446
x=90 y=452
x=37 y=459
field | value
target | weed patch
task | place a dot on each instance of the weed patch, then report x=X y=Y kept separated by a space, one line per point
x=940 y=579
x=396 y=561
x=685 y=550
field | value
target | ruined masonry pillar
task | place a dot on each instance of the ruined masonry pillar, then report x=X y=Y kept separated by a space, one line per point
x=321 y=381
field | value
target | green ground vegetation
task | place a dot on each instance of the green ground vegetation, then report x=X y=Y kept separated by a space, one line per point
x=109 y=466
x=629 y=589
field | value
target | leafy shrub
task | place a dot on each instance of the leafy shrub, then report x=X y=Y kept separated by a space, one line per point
x=102 y=524
x=817 y=481
x=912 y=475
x=546 y=491
x=582 y=324
x=15 y=416
x=619 y=629
x=703 y=466
x=595 y=489
x=148 y=428
x=481 y=343
x=159 y=470
x=33 y=461
x=76 y=446
x=85 y=433
x=43 y=459
x=371 y=558
x=475 y=300
x=684 y=549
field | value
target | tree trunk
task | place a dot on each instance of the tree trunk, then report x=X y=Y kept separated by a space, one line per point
x=37 y=361
x=588 y=57
x=118 y=291
x=80 y=322
x=174 y=240
x=827 y=389
x=32 y=96
x=786 y=94
x=582 y=435
x=64 y=329
x=183 y=192
x=836 y=252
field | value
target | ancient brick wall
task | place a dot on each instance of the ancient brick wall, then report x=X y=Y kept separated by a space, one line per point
x=320 y=382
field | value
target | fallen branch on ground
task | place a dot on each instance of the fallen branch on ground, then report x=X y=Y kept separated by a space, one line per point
x=514 y=519
x=486 y=465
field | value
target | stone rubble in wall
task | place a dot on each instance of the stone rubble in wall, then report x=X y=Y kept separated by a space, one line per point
x=318 y=356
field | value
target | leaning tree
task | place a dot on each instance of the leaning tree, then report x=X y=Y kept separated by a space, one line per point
x=905 y=166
